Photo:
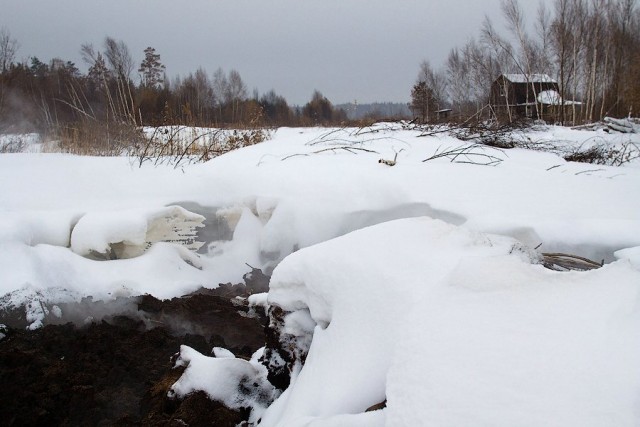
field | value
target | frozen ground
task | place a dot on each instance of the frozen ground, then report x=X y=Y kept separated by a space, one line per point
x=449 y=324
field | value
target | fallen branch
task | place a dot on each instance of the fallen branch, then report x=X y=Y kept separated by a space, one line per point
x=466 y=154
x=352 y=150
x=562 y=262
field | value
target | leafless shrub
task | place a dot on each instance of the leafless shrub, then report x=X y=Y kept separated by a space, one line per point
x=345 y=140
x=12 y=144
x=603 y=154
x=350 y=137
x=492 y=134
x=95 y=138
x=512 y=135
x=483 y=132
x=179 y=145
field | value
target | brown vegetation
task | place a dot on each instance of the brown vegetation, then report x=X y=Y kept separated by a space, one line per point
x=101 y=112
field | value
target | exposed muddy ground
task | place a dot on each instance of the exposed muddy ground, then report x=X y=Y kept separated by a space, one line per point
x=117 y=371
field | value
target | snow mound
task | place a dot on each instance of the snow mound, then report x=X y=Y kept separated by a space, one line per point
x=456 y=327
x=222 y=353
x=631 y=254
x=165 y=270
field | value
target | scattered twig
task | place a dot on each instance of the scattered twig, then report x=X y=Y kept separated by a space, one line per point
x=352 y=150
x=587 y=171
x=468 y=153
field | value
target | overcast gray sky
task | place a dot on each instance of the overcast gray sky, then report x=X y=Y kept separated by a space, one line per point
x=364 y=50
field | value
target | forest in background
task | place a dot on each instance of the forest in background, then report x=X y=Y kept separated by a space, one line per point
x=589 y=46
x=50 y=96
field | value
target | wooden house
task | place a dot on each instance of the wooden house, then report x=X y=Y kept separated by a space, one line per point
x=534 y=96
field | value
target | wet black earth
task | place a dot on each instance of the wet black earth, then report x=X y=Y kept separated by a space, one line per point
x=117 y=371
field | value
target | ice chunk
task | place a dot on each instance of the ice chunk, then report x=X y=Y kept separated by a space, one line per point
x=128 y=233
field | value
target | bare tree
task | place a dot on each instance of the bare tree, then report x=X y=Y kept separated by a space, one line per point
x=236 y=93
x=111 y=75
x=8 y=49
x=220 y=88
x=99 y=74
x=436 y=81
x=624 y=47
x=119 y=58
x=543 y=31
x=121 y=63
x=458 y=82
x=561 y=39
x=526 y=59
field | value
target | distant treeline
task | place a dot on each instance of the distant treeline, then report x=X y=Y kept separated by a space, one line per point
x=376 y=110
x=48 y=96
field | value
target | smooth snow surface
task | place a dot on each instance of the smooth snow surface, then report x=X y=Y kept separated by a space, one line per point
x=455 y=327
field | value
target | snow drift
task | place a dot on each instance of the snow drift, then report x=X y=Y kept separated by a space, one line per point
x=455 y=327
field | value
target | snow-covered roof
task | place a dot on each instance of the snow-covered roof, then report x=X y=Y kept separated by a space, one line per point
x=531 y=78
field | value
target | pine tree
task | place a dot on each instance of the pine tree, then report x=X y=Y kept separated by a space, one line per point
x=151 y=69
x=422 y=101
x=98 y=73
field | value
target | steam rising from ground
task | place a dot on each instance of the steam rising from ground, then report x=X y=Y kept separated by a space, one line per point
x=37 y=312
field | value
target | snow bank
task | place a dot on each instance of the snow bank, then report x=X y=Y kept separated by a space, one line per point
x=455 y=327
x=164 y=271
x=631 y=254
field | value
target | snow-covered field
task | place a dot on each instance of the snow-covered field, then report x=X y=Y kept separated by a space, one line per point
x=419 y=283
